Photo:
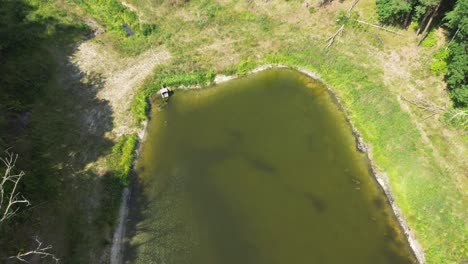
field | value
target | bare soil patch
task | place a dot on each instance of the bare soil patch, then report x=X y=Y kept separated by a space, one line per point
x=121 y=78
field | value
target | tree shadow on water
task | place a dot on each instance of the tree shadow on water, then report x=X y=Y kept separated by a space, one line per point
x=153 y=233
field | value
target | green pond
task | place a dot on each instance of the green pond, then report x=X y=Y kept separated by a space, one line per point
x=262 y=169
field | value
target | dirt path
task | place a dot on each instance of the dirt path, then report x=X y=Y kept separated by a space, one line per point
x=122 y=77
x=118 y=80
x=119 y=234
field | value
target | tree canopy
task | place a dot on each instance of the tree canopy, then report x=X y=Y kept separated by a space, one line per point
x=457 y=61
x=449 y=14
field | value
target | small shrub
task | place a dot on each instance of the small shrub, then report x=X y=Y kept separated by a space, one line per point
x=148 y=29
x=457 y=118
x=439 y=67
x=459 y=96
x=312 y=10
x=343 y=19
x=439 y=64
x=441 y=54
x=392 y=12
x=430 y=40
x=414 y=26
x=457 y=71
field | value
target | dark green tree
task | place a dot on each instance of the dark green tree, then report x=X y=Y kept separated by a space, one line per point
x=457 y=61
x=18 y=38
x=393 y=11
x=457 y=20
x=401 y=12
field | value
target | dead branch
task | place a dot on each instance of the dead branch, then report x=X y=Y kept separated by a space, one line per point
x=429 y=23
x=352 y=6
x=10 y=203
x=453 y=37
x=425 y=105
x=461 y=117
x=378 y=38
x=377 y=26
x=40 y=251
x=331 y=39
x=460 y=114
x=10 y=197
x=429 y=116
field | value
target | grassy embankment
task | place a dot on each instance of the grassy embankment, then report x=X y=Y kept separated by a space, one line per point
x=426 y=175
x=207 y=37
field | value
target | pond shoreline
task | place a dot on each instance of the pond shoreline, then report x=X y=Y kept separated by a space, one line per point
x=380 y=176
x=118 y=240
x=361 y=146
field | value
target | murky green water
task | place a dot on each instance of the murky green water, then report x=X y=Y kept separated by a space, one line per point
x=258 y=170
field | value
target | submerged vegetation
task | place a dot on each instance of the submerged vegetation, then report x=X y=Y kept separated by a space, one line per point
x=78 y=166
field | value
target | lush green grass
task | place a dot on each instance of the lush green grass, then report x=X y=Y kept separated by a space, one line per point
x=140 y=103
x=457 y=118
x=177 y=78
x=117 y=20
x=122 y=157
x=430 y=40
x=439 y=64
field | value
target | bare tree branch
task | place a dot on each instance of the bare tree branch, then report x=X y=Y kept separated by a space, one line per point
x=331 y=39
x=428 y=25
x=41 y=251
x=352 y=6
x=10 y=198
x=377 y=26
x=10 y=203
x=454 y=35
x=461 y=113
x=425 y=105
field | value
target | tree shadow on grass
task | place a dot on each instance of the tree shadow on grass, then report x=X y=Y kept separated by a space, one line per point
x=73 y=204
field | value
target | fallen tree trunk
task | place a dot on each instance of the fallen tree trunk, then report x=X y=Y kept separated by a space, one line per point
x=425 y=32
x=331 y=39
x=377 y=26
